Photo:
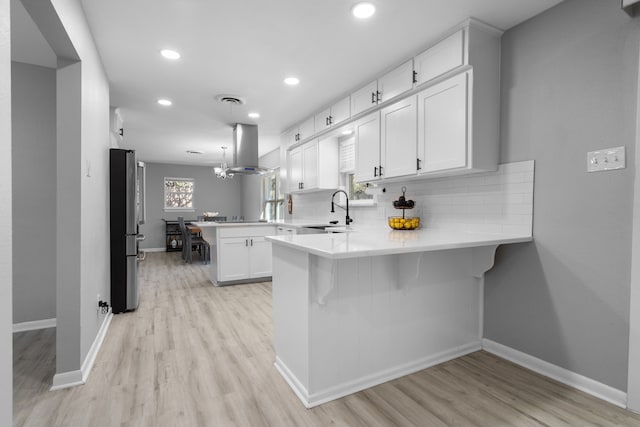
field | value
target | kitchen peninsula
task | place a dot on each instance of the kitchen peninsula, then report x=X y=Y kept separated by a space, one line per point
x=352 y=310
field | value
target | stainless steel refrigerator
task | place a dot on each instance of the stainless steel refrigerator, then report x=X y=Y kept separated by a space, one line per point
x=126 y=194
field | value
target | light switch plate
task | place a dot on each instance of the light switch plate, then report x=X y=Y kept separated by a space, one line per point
x=606 y=159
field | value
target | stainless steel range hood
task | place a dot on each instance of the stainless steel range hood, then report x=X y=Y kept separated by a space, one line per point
x=245 y=151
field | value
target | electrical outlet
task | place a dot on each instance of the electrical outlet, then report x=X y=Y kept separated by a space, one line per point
x=606 y=159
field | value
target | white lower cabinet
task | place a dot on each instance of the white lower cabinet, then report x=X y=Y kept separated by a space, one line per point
x=242 y=254
x=244 y=258
x=234 y=259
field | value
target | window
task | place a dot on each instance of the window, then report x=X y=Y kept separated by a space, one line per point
x=272 y=198
x=356 y=190
x=178 y=194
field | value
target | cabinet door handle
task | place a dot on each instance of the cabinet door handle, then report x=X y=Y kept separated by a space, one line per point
x=330 y=120
x=380 y=170
x=246 y=242
x=302 y=185
x=251 y=242
x=375 y=171
x=373 y=97
x=415 y=76
x=326 y=121
x=378 y=96
x=418 y=164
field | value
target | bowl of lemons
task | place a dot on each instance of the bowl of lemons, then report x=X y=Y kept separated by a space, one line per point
x=400 y=223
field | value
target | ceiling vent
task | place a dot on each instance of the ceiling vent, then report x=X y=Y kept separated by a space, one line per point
x=230 y=99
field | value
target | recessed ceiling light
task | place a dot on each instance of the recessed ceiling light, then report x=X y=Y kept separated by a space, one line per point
x=363 y=10
x=164 y=102
x=254 y=115
x=196 y=152
x=291 y=81
x=170 y=54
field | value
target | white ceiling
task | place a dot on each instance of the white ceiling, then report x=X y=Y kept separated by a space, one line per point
x=246 y=48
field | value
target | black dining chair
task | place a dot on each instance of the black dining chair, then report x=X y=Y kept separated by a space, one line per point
x=191 y=242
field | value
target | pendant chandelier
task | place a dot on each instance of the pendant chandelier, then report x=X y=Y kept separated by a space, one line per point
x=221 y=172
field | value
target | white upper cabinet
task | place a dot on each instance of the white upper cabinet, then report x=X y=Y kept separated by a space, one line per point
x=295 y=169
x=392 y=84
x=386 y=142
x=301 y=132
x=313 y=166
x=337 y=113
x=440 y=114
x=365 y=98
x=396 y=82
x=443 y=114
x=398 y=153
x=437 y=60
x=306 y=129
x=367 y=136
x=310 y=166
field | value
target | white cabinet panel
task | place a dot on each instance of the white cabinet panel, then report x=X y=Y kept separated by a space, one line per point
x=310 y=165
x=396 y=82
x=233 y=262
x=443 y=57
x=398 y=131
x=367 y=135
x=322 y=120
x=364 y=98
x=314 y=166
x=442 y=125
x=337 y=113
x=341 y=111
x=306 y=129
x=295 y=169
x=260 y=256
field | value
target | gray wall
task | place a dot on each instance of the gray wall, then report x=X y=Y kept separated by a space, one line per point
x=6 y=343
x=211 y=194
x=82 y=190
x=569 y=79
x=34 y=191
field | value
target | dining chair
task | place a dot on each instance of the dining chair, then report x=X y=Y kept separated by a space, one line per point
x=191 y=242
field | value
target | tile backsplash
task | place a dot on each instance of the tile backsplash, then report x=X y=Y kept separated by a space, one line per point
x=500 y=201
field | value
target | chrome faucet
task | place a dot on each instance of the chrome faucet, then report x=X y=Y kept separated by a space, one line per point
x=347 y=219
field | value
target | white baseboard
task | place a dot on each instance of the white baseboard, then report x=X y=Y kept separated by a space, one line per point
x=153 y=249
x=79 y=377
x=319 y=397
x=34 y=324
x=572 y=379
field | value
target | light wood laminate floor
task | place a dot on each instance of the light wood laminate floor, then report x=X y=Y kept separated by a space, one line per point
x=197 y=355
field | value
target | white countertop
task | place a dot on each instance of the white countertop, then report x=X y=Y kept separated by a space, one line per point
x=381 y=241
x=212 y=224
x=296 y=224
